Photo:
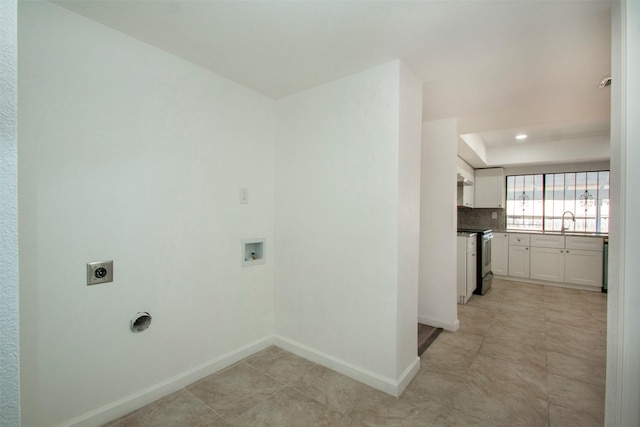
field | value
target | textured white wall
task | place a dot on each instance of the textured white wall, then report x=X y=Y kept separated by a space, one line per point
x=131 y=154
x=9 y=331
x=437 y=294
x=337 y=213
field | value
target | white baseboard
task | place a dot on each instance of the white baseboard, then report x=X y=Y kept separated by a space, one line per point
x=137 y=400
x=144 y=397
x=439 y=324
x=387 y=385
x=546 y=283
x=408 y=375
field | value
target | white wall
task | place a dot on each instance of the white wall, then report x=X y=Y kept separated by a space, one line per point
x=408 y=217
x=558 y=168
x=586 y=149
x=131 y=154
x=9 y=330
x=438 y=287
x=631 y=291
x=623 y=317
x=338 y=284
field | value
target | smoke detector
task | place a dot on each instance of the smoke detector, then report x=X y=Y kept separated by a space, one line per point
x=606 y=82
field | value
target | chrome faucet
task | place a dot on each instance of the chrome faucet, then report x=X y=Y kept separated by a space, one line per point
x=573 y=218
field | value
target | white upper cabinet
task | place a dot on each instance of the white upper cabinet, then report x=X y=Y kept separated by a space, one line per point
x=465 y=195
x=466 y=178
x=489 y=187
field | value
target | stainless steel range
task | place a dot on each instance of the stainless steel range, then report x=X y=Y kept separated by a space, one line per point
x=484 y=273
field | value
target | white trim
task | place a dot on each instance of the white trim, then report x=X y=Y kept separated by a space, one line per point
x=408 y=375
x=614 y=407
x=439 y=324
x=137 y=400
x=547 y=283
x=357 y=373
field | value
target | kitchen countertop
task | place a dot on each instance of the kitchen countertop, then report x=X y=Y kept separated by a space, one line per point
x=466 y=233
x=554 y=233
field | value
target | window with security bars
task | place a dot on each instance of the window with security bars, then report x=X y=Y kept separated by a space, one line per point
x=525 y=202
x=538 y=202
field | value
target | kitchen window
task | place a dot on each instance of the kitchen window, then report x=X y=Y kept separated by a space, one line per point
x=538 y=201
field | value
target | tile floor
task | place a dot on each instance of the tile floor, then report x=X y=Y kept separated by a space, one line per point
x=525 y=355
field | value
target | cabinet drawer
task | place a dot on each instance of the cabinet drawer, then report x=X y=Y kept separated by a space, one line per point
x=547 y=241
x=518 y=239
x=584 y=243
x=472 y=243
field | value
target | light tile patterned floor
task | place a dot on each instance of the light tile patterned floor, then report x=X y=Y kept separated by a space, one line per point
x=525 y=355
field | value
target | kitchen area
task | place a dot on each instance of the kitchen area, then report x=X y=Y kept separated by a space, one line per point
x=488 y=247
x=531 y=295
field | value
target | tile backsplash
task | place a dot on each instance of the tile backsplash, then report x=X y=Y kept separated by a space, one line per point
x=481 y=218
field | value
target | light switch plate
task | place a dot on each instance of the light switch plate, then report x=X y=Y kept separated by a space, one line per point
x=99 y=272
x=494 y=215
x=244 y=196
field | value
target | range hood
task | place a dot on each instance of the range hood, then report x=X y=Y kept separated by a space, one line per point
x=464 y=181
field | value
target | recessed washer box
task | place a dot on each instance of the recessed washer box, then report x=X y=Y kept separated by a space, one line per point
x=253 y=252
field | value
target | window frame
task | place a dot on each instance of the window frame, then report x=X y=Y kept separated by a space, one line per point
x=543 y=218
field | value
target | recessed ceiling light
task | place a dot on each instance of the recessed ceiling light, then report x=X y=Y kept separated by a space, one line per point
x=521 y=137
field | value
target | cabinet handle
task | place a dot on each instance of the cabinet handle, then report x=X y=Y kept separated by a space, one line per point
x=526 y=249
x=561 y=251
x=567 y=251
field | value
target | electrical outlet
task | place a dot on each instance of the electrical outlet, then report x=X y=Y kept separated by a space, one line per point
x=99 y=272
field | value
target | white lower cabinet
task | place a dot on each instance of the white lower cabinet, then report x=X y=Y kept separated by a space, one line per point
x=519 y=261
x=583 y=267
x=467 y=267
x=500 y=254
x=547 y=264
x=551 y=258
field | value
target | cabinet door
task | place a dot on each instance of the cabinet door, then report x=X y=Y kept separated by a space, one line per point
x=519 y=261
x=461 y=252
x=472 y=268
x=489 y=188
x=467 y=196
x=583 y=267
x=500 y=254
x=547 y=264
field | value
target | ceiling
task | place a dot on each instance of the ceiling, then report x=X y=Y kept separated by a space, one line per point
x=500 y=67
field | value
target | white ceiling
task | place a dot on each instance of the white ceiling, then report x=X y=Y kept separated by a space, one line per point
x=501 y=67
